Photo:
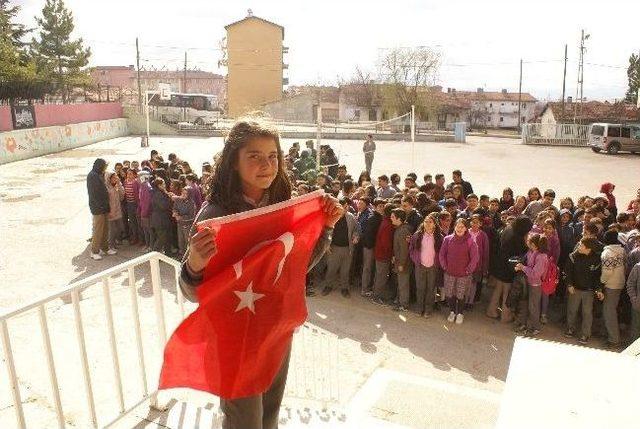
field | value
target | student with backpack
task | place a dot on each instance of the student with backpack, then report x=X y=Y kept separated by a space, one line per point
x=535 y=267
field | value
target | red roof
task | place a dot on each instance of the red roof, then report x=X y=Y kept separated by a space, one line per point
x=594 y=111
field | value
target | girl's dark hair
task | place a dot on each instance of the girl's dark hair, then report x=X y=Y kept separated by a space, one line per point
x=176 y=186
x=508 y=191
x=364 y=176
x=538 y=240
x=388 y=208
x=532 y=190
x=225 y=186
x=463 y=221
x=437 y=232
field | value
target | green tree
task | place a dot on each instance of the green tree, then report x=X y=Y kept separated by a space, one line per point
x=18 y=78
x=633 y=73
x=59 y=58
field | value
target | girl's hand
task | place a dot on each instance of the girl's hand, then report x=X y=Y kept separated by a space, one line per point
x=518 y=267
x=202 y=247
x=600 y=296
x=332 y=210
x=571 y=290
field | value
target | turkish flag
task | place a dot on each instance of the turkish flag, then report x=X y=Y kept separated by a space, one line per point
x=251 y=300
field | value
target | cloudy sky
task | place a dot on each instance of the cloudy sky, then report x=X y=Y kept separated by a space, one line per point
x=481 y=41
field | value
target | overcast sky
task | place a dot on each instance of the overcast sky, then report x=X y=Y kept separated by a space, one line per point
x=481 y=41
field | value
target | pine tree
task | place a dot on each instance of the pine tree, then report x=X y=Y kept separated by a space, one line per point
x=633 y=73
x=17 y=72
x=58 y=57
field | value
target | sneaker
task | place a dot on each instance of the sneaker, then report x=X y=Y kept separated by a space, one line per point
x=543 y=319
x=367 y=294
x=452 y=317
x=532 y=332
x=326 y=291
x=400 y=308
x=102 y=252
x=345 y=293
x=569 y=333
x=310 y=292
x=427 y=315
x=96 y=256
x=583 y=339
x=112 y=251
x=459 y=319
x=613 y=346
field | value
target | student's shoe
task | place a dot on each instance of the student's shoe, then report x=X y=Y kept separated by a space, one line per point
x=452 y=317
x=613 y=346
x=345 y=293
x=459 y=319
x=310 y=292
x=112 y=252
x=399 y=308
x=326 y=291
x=583 y=339
x=96 y=256
x=543 y=319
x=366 y=294
x=378 y=301
x=532 y=332
x=427 y=314
x=102 y=252
x=569 y=333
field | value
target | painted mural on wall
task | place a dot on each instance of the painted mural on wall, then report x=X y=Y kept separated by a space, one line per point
x=23 y=144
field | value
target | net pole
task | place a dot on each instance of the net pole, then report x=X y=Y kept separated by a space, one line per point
x=413 y=136
x=319 y=138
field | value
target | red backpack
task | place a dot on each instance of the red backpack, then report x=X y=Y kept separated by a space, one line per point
x=550 y=278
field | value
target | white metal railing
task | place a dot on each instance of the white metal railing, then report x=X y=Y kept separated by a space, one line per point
x=556 y=134
x=307 y=380
x=74 y=290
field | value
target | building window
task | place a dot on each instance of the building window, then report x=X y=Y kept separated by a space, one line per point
x=524 y=105
x=488 y=118
x=524 y=119
x=502 y=104
x=501 y=119
x=490 y=104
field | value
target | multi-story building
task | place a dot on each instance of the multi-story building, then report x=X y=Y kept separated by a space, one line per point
x=254 y=59
x=497 y=109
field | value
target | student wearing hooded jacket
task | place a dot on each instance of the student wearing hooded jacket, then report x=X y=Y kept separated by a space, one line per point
x=458 y=258
x=612 y=278
x=99 y=206
x=512 y=244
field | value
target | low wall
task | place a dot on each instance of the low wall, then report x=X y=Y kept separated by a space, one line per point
x=5 y=119
x=29 y=143
x=48 y=115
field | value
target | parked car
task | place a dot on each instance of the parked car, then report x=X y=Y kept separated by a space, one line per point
x=614 y=138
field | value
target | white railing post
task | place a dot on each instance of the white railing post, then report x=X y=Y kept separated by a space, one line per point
x=179 y=294
x=162 y=330
x=136 y=322
x=75 y=299
x=112 y=341
x=13 y=379
x=51 y=365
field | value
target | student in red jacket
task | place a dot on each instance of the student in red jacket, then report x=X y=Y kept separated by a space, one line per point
x=382 y=253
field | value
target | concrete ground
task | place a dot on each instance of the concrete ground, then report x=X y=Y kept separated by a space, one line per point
x=389 y=370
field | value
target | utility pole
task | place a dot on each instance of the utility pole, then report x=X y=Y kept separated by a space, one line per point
x=184 y=85
x=138 y=77
x=564 y=77
x=580 y=87
x=520 y=98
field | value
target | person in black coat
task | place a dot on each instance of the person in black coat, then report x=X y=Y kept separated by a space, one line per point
x=512 y=244
x=99 y=206
x=160 y=216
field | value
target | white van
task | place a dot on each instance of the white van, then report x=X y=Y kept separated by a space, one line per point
x=614 y=138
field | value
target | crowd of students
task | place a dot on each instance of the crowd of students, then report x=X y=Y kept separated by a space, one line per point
x=416 y=246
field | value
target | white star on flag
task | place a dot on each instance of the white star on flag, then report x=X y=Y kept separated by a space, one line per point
x=247 y=298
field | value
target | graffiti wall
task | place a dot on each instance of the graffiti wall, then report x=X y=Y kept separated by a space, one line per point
x=23 y=144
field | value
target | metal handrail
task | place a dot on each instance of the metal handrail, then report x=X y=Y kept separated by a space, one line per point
x=74 y=289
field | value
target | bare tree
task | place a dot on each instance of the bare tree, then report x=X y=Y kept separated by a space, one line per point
x=407 y=73
x=361 y=89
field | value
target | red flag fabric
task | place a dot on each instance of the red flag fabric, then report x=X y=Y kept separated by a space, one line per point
x=251 y=300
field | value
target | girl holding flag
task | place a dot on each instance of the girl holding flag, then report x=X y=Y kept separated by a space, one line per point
x=250 y=174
